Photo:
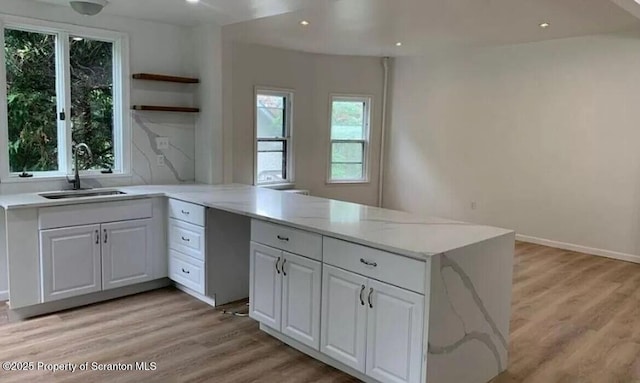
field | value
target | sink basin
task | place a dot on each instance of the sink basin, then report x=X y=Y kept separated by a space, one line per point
x=81 y=194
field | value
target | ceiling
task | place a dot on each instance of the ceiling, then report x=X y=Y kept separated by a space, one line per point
x=372 y=27
x=222 y=12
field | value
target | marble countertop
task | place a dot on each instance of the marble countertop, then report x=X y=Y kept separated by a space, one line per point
x=394 y=231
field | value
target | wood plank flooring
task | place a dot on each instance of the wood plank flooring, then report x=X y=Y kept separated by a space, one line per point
x=576 y=318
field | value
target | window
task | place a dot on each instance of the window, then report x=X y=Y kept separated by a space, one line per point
x=64 y=85
x=349 y=146
x=273 y=137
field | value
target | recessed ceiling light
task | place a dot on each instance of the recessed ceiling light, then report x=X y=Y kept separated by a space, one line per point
x=545 y=25
x=398 y=44
x=304 y=22
x=193 y=1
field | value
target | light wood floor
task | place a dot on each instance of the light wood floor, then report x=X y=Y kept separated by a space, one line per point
x=576 y=318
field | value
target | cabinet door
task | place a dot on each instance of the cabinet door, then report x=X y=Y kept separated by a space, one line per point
x=265 y=290
x=301 y=280
x=127 y=253
x=70 y=260
x=394 y=333
x=344 y=317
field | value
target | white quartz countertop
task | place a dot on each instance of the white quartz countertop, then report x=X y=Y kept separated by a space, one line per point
x=395 y=231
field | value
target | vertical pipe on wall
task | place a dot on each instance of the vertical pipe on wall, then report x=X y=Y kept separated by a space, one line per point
x=383 y=134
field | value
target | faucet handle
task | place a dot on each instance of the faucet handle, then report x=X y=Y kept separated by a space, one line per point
x=73 y=182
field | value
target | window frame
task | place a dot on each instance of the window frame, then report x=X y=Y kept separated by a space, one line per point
x=366 y=141
x=121 y=96
x=287 y=140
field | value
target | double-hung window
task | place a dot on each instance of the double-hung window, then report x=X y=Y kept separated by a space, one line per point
x=63 y=85
x=273 y=158
x=349 y=147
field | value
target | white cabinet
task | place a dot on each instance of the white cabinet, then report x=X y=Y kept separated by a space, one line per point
x=362 y=308
x=70 y=261
x=394 y=333
x=188 y=247
x=344 y=317
x=127 y=253
x=371 y=326
x=86 y=259
x=265 y=291
x=301 y=281
x=285 y=293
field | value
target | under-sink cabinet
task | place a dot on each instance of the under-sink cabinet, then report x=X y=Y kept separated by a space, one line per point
x=85 y=259
x=84 y=253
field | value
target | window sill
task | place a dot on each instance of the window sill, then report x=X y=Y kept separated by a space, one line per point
x=348 y=182
x=282 y=186
x=57 y=177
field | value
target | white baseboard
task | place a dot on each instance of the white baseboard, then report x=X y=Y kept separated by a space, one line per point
x=4 y=296
x=580 y=249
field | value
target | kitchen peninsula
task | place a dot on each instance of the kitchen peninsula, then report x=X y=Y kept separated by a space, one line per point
x=383 y=295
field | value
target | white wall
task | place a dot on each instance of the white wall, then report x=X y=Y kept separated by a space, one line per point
x=156 y=48
x=544 y=137
x=209 y=147
x=313 y=78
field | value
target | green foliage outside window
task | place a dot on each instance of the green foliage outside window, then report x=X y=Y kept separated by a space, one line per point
x=32 y=102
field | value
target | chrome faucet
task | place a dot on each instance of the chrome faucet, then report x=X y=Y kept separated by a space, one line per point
x=76 y=149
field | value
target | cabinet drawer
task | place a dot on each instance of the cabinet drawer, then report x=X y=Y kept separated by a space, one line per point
x=187 y=238
x=288 y=239
x=186 y=271
x=187 y=212
x=377 y=264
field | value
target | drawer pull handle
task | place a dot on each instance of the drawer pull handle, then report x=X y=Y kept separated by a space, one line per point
x=97 y=237
x=186 y=271
x=185 y=212
x=278 y=261
x=368 y=263
x=370 y=302
x=186 y=239
x=361 y=298
x=282 y=267
x=106 y=236
x=283 y=238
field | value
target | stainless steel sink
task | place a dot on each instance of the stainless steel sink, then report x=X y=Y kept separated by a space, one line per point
x=81 y=194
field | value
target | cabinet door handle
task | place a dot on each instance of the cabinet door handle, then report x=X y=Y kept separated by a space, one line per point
x=185 y=212
x=97 y=237
x=106 y=236
x=368 y=263
x=282 y=267
x=369 y=299
x=278 y=261
x=186 y=271
x=283 y=238
x=361 y=298
x=186 y=239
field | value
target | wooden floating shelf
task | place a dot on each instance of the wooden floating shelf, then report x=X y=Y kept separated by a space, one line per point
x=179 y=109
x=165 y=78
